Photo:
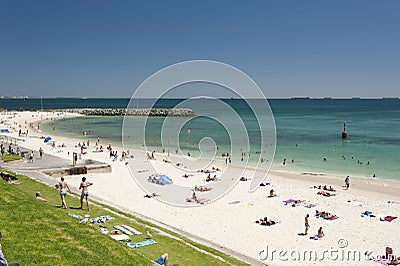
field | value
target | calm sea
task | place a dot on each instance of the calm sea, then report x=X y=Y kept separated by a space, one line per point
x=308 y=130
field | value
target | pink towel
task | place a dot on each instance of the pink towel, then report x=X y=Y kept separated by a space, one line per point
x=390 y=218
x=383 y=262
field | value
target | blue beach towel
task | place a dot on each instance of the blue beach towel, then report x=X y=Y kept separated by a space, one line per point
x=366 y=213
x=141 y=244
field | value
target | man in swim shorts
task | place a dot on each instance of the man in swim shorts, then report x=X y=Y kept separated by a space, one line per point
x=64 y=188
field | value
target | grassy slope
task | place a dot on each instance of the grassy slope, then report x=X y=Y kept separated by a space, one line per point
x=38 y=233
x=8 y=157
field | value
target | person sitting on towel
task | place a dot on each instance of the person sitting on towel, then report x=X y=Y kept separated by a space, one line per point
x=162 y=260
x=320 y=233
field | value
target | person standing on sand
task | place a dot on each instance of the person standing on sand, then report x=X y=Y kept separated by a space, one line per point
x=306 y=224
x=64 y=188
x=85 y=193
x=347 y=182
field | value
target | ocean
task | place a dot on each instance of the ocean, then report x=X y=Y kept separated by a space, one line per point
x=308 y=131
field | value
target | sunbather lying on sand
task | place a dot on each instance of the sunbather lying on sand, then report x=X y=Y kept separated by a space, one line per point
x=151 y=195
x=326 y=194
x=194 y=199
x=207 y=171
x=187 y=175
x=8 y=178
x=325 y=215
x=202 y=188
x=330 y=188
x=267 y=222
x=208 y=179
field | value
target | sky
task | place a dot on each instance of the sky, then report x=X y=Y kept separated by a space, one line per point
x=289 y=48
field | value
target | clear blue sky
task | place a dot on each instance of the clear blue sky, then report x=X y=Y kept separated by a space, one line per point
x=290 y=48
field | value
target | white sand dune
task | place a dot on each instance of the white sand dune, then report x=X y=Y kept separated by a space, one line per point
x=233 y=225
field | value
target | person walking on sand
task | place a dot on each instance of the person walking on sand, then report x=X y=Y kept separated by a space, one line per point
x=307 y=225
x=85 y=193
x=41 y=153
x=347 y=182
x=31 y=157
x=64 y=188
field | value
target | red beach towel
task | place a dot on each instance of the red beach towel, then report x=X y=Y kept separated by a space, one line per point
x=390 y=218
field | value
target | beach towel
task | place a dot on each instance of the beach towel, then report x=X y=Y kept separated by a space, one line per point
x=366 y=213
x=131 y=229
x=293 y=203
x=389 y=218
x=119 y=237
x=101 y=219
x=123 y=230
x=382 y=261
x=103 y=230
x=354 y=203
x=235 y=202
x=160 y=180
x=333 y=218
x=288 y=201
x=83 y=221
x=75 y=215
x=310 y=205
x=141 y=244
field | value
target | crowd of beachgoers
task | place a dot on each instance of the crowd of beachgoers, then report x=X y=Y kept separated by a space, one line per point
x=288 y=211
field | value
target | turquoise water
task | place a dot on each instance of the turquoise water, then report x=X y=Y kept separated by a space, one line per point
x=307 y=131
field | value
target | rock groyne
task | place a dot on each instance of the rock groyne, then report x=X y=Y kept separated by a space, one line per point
x=133 y=112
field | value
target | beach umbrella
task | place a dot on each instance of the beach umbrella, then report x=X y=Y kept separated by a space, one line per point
x=164 y=180
x=47 y=139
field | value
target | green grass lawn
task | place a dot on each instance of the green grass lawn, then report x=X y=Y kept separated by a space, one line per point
x=8 y=157
x=41 y=233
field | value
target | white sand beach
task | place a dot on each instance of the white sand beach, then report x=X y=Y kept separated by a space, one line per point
x=231 y=221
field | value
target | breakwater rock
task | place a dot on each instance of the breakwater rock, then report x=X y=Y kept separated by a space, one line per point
x=134 y=112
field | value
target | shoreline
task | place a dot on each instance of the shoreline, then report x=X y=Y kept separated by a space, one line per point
x=218 y=221
x=275 y=166
x=381 y=185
